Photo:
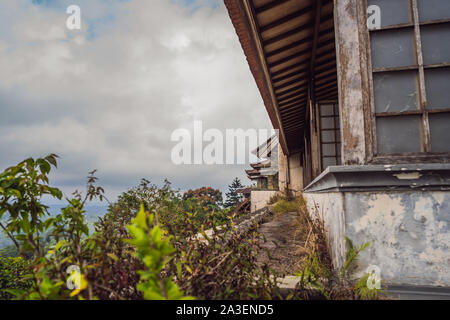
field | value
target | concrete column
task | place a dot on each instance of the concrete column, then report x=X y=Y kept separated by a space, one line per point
x=282 y=169
x=295 y=174
x=352 y=82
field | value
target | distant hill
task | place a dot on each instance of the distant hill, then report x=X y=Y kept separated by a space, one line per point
x=93 y=212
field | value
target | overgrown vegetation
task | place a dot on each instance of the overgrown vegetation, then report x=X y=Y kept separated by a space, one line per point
x=319 y=278
x=146 y=246
x=13 y=275
x=155 y=251
x=153 y=243
x=284 y=206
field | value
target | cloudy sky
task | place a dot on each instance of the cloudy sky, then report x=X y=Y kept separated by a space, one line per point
x=109 y=96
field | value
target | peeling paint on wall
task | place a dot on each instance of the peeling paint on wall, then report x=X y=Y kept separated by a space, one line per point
x=408 y=176
x=409 y=232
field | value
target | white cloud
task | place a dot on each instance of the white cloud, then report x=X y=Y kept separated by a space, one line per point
x=109 y=97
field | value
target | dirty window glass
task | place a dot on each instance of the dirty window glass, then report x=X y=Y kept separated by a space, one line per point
x=326 y=110
x=437 y=83
x=327 y=123
x=409 y=108
x=440 y=129
x=393 y=12
x=329 y=150
x=395 y=91
x=393 y=48
x=330 y=135
x=433 y=9
x=398 y=134
x=436 y=43
x=328 y=161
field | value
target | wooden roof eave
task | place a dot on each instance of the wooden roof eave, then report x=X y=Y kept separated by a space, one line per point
x=291 y=51
x=243 y=20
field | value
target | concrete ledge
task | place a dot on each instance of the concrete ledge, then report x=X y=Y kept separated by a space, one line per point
x=403 y=292
x=433 y=176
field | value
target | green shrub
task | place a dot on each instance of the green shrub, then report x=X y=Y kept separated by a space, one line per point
x=222 y=265
x=156 y=255
x=155 y=251
x=14 y=275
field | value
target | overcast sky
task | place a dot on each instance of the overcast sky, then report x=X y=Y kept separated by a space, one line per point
x=109 y=96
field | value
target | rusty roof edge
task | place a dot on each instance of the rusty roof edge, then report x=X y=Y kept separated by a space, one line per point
x=243 y=21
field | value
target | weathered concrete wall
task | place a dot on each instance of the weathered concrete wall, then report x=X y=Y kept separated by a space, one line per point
x=295 y=173
x=282 y=167
x=409 y=232
x=259 y=199
x=330 y=206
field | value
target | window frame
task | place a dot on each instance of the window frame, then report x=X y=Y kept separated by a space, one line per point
x=371 y=115
x=337 y=132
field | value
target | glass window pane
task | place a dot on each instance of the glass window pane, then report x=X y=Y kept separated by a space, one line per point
x=393 y=48
x=440 y=129
x=436 y=43
x=395 y=91
x=328 y=162
x=398 y=134
x=326 y=110
x=433 y=9
x=438 y=88
x=329 y=150
x=393 y=12
x=327 y=123
x=328 y=136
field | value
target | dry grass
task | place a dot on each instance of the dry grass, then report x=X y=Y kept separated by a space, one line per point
x=311 y=230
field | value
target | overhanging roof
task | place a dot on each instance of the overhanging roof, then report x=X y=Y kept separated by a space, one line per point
x=290 y=48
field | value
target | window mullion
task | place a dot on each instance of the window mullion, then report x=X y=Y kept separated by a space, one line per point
x=426 y=143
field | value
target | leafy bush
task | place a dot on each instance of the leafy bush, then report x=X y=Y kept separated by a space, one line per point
x=222 y=265
x=14 y=275
x=206 y=197
x=126 y=257
x=155 y=251
x=21 y=189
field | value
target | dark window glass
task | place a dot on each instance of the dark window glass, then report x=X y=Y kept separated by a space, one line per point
x=393 y=12
x=436 y=43
x=393 y=48
x=405 y=114
x=395 y=91
x=433 y=9
x=328 y=162
x=437 y=82
x=330 y=135
x=399 y=134
x=440 y=132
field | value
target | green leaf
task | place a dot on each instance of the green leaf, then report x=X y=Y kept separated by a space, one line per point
x=44 y=166
x=52 y=159
x=60 y=244
x=141 y=218
x=113 y=256
x=14 y=192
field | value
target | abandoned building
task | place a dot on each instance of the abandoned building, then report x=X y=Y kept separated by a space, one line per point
x=264 y=173
x=364 y=121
